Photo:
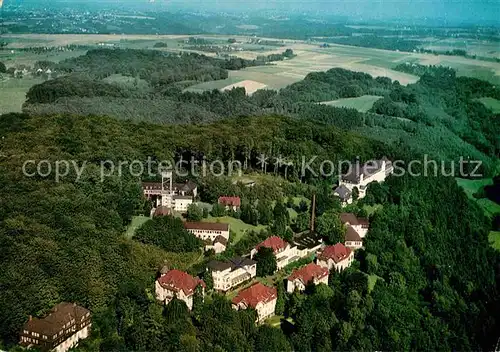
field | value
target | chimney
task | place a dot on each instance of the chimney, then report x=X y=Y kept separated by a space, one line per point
x=30 y=318
x=313 y=214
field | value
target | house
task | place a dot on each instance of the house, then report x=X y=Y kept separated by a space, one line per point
x=181 y=203
x=359 y=177
x=360 y=225
x=218 y=245
x=176 y=283
x=188 y=188
x=231 y=273
x=352 y=238
x=233 y=203
x=60 y=330
x=208 y=230
x=336 y=257
x=344 y=193
x=311 y=273
x=283 y=251
x=260 y=297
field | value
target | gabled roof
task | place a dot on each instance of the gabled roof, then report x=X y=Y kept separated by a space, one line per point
x=220 y=239
x=211 y=226
x=351 y=219
x=255 y=294
x=151 y=185
x=337 y=253
x=234 y=263
x=370 y=168
x=231 y=201
x=276 y=243
x=352 y=235
x=308 y=273
x=187 y=186
x=60 y=315
x=177 y=280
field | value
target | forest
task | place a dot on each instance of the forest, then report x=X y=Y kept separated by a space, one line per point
x=64 y=241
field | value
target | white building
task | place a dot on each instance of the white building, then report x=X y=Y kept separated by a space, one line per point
x=235 y=271
x=360 y=225
x=176 y=283
x=311 y=273
x=175 y=196
x=260 y=297
x=338 y=257
x=283 y=251
x=219 y=245
x=60 y=330
x=360 y=176
x=181 y=203
x=352 y=238
x=208 y=231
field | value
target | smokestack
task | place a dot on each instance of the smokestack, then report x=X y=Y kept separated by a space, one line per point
x=313 y=214
x=30 y=318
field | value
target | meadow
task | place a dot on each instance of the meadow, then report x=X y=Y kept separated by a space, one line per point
x=491 y=103
x=235 y=225
x=362 y=104
x=473 y=186
x=14 y=93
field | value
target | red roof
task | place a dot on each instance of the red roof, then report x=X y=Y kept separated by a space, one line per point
x=337 y=253
x=214 y=226
x=255 y=294
x=177 y=280
x=274 y=242
x=231 y=201
x=308 y=273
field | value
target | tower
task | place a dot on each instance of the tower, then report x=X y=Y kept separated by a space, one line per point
x=166 y=189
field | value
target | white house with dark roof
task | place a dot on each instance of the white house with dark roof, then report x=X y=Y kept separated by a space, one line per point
x=231 y=273
x=360 y=176
x=219 y=245
x=208 y=230
x=360 y=225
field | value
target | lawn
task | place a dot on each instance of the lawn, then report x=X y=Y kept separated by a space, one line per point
x=371 y=209
x=14 y=93
x=137 y=221
x=236 y=225
x=372 y=280
x=494 y=238
x=491 y=103
x=362 y=104
x=472 y=186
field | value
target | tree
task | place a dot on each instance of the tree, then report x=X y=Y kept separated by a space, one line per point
x=3 y=68
x=302 y=222
x=209 y=280
x=249 y=214
x=198 y=301
x=218 y=210
x=355 y=193
x=194 y=212
x=330 y=228
x=271 y=339
x=280 y=302
x=266 y=262
x=265 y=211
x=205 y=212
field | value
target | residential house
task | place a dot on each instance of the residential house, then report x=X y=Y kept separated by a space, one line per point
x=352 y=238
x=311 y=273
x=60 y=330
x=260 y=297
x=283 y=251
x=344 y=193
x=218 y=245
x=181 y=203
x=361 y=225
x=176 y=283
x=231 y=273
x=360 y=176
x=336 y=257
x=208 y=230
x=233 y=203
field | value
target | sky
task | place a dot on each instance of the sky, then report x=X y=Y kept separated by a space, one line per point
x=472 y=11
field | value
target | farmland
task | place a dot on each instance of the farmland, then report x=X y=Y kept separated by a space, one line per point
x=362 y=104
x=14 y=93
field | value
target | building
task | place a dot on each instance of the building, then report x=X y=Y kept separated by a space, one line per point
x=283 y=251
x=181 y=203
x=233 y=203
x=352 y=238
x=260 y=297
x=360 y=225
x=162 y=211
x=208 y=231
x=176 y=283
x=336 y=257
x=344 y=193
x=60 y=330
x=219 y=245
x=235 y=271
x=360 y=176
x=311 y=273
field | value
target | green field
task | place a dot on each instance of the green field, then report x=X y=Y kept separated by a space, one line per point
x=494 y=238
x=14 y=93
x=362 y=104
x=236 y=225
x=137 y=221
x=472 y=186
x=491 y=103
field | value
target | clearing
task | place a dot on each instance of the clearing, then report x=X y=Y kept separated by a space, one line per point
x=472 y=186
x=137 y=221
x=491 y=103
x=250 y=86
x=14 y=93
x=362 y=104
x=494 y=238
